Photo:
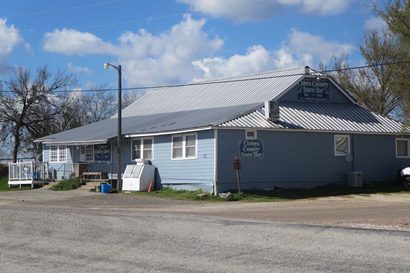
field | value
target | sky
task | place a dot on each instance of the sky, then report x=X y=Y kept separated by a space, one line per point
x=178 y=41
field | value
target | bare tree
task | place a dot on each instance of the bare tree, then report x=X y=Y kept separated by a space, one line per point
x=29 y=103
x=376 y=85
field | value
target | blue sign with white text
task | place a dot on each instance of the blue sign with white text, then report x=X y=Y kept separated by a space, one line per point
x=251 y=148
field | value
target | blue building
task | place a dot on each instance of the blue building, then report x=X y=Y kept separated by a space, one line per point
x=291 y=128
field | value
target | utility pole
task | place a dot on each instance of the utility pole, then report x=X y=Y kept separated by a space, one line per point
x=119 y=123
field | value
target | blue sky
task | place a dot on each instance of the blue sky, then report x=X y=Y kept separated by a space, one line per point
x=178 y=41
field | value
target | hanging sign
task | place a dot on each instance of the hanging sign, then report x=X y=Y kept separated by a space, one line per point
x=251 y=148
x=313 y=90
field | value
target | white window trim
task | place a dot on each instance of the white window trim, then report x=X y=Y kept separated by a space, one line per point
x=348 y=145
x=59 y=148
x=408 y=147
x=184 y=157
x=142 y=147
x=85 y=147
x=255 y=133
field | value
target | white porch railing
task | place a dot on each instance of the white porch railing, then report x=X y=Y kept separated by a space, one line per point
x=28 y=173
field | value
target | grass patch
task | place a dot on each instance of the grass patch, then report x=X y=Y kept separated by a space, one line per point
x=280 y=194
x=181 y=194
x=4 y=183
x=322 y=191
x=4 y=180
x=66 y=185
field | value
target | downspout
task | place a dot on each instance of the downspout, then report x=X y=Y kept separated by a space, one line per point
x=353 y=152
x=215 y=161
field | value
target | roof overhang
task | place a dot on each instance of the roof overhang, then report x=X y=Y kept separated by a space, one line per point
x=72 y=143
x=314 y=131
x=182 y=131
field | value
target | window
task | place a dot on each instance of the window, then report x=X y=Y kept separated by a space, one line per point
x=87 y=153
x=342 y=145
x=53 y=153
x=142 y=148
x=402 y=147
x=184 y=146
x=58 y=154
x=250 y=134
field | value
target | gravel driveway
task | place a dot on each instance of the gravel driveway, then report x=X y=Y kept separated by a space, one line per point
x=378 y=211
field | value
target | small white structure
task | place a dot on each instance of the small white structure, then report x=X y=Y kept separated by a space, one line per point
x=138 y=177
x=28 y=173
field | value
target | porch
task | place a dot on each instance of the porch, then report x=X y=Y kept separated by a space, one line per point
x=28 y=173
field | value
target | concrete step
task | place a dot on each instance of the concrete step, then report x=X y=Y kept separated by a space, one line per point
x=89 y=185
x=49 y=185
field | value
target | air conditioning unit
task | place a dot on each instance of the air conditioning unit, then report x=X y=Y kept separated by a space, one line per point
x=355 y=179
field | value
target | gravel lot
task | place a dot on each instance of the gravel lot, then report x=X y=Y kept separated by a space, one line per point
x=378 y=211
x=77 y=231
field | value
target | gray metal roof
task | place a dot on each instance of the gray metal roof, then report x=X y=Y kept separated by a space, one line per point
x=321 y=117
x=156 y=123
x=220 y=103
x=251 y=89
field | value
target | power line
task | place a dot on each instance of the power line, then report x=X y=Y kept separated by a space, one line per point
x=245 y=78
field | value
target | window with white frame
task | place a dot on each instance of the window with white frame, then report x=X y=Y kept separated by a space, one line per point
x=142 y=148
x=184 y=146
x=87 y=153
x=53 y=153
x=58 y=153
x=342 y=145
x=251 y=134
x=402 y=147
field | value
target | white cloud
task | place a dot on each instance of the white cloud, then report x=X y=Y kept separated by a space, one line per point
x=79 y=69
x=73 y=42
x=375 y=23
x=299 y=49
x=9 y=39
x=256 y=59
x=185 y=53
x=250 y=10
x=166 y=57
x=146 y=58
x=310 y=48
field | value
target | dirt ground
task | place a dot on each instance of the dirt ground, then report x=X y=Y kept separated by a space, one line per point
x=376 y=211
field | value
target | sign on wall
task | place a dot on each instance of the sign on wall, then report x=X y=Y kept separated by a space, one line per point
x=102 y=153
x=251 y=148
x=313 y=90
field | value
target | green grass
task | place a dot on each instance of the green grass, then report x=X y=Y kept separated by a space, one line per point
x=280 y=194
x=3 y=183
x=66 y=185
x=180 y=194
x=5 y=187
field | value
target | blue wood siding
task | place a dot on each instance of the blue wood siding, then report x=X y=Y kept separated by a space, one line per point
x=59 y=169
x=335 y=96
x=375 y=156
x=303 y=159
x=186 y=173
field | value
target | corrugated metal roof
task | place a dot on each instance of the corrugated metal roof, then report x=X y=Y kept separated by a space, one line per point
x=321 y=117
x=251 y=89
x=220 y=103
x=104 y=130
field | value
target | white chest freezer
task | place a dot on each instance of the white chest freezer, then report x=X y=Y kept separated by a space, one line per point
x=138 y=177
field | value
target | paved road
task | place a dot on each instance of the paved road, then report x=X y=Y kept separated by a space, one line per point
x=44 y=237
